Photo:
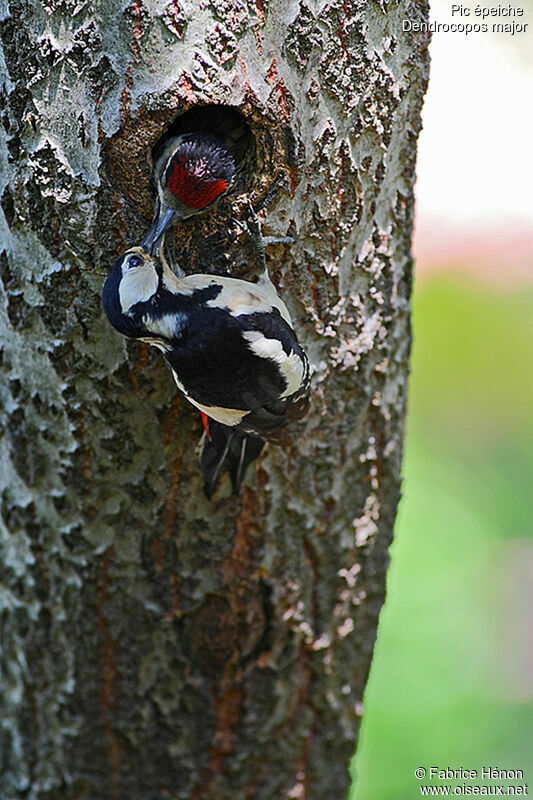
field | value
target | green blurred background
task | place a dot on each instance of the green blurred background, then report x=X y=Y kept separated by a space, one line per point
x=452 y=677
x=451 y=683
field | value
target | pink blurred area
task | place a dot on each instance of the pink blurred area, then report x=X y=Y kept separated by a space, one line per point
x=474 y=189
x=501 y=254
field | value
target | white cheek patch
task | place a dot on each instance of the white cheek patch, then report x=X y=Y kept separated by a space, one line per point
x=138 y=285
x=290 y=366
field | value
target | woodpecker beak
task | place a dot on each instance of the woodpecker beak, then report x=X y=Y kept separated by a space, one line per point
x=160 y=223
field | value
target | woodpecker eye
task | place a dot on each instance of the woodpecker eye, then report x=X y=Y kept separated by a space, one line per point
x=135 y=261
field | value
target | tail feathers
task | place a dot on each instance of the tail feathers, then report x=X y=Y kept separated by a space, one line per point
x=227 y=450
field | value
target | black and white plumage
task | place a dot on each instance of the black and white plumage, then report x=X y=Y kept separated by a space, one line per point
x=191 y=172
x=231 y=348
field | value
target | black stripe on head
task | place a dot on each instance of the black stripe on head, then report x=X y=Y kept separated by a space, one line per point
x=111 y=302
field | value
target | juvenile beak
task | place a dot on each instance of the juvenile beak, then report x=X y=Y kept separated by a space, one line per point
x=160 y=223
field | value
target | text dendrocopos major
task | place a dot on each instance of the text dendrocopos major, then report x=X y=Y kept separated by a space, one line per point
x=191 y=172
x=231 y=348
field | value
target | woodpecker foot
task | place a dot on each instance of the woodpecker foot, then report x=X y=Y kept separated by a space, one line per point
x=268 y=240
x=252 y=227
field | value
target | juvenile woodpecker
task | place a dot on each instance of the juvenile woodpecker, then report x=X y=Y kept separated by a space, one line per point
x=230 y=346
x=192 y=171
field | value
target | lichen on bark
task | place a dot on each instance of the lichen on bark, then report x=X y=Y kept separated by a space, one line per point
x=155 y=644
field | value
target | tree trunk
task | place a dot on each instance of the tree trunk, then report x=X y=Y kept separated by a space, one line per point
x=156 y=644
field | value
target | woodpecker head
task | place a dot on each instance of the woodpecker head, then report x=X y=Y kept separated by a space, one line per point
x=191 y=173
x=132 y=282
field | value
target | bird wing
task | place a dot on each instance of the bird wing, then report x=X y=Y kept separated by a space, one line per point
x=235 y=355
x=235 y=295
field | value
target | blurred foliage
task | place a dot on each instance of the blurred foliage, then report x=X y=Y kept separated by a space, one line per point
x=451 y=683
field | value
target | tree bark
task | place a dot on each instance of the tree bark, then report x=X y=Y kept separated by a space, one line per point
x=155 y=644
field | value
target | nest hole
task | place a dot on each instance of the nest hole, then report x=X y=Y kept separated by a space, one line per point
x=225 y=122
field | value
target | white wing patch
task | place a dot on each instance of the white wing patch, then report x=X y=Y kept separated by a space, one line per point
x=167 y=325
x=138 y=284
x=291 y=366
x=227 y=416
x=238 y=296
x=241 y=297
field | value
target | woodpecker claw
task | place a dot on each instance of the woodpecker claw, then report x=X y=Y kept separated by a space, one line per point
x=255 y=227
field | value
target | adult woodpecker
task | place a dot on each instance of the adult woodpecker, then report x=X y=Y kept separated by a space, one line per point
x=230 y=346
x=191 y=172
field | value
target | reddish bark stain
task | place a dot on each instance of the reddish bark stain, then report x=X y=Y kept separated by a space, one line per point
x=125 y=97
x=128 y=77
x=137 y=31
x=228 y=709
x=173 y=14
x=125 y=100
x=186 y=88
x=259 y=43
x=293 y=179
x=343 y=27
x=143 y=358
x=282 y=96
x=238 y=563
x=260 y=9
x=107 y=673
x=272 y=72
x=301 y=765
x=228 y=712
x=247 y=87
x=315 y=294
x=175 y=608
x=237 y=576
x=158 y=553
x=302 y=702
x=224 y=40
